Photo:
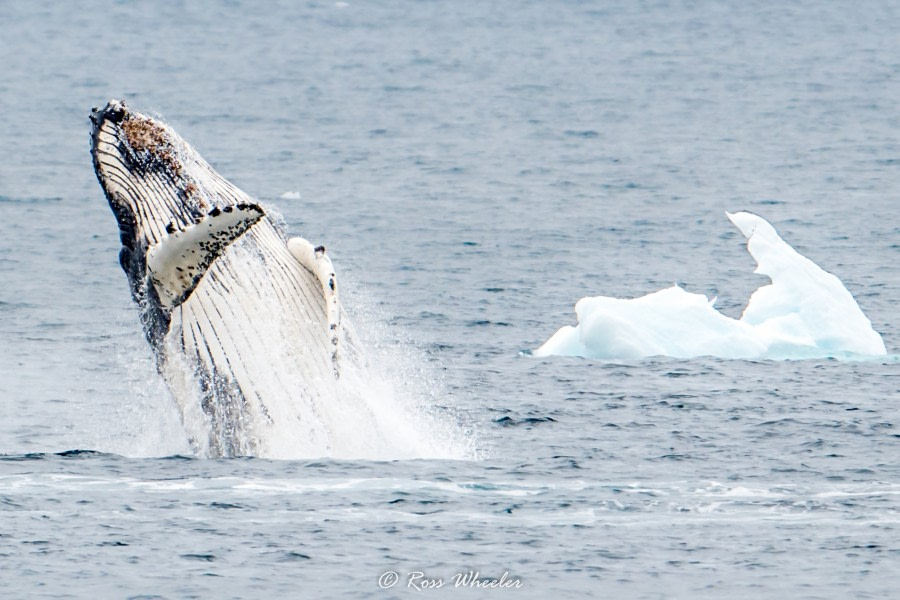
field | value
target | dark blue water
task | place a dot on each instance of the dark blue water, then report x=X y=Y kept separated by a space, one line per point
x=474 y=169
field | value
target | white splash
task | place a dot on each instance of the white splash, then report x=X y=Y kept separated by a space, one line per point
x=805 y=312
x=385 y=405
x=368 y=413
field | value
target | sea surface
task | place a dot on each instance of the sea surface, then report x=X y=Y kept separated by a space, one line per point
x=474 y=168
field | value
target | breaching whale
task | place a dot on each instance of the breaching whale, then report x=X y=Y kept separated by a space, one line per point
x=220 y=287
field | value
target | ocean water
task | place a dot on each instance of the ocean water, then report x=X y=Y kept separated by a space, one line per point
x=473 y=169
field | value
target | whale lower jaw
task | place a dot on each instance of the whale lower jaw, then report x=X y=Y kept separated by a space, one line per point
x=246 y=324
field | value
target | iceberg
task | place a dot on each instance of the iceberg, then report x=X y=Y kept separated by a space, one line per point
x=805 y=312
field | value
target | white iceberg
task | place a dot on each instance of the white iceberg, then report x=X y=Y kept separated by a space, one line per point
x=805 y=312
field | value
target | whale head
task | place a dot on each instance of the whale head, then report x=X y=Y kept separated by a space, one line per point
x=155 y=182
x=176 y=215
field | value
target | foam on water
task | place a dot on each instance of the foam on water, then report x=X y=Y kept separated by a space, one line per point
x=805 y=312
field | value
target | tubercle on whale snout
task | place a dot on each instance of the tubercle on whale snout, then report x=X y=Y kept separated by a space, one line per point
x=144 y=144
x=114 y=111
x=149 y=146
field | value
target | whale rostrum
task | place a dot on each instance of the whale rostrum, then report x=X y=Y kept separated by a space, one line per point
x=222 y=291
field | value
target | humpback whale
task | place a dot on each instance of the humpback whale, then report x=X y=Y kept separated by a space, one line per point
x=221 y=289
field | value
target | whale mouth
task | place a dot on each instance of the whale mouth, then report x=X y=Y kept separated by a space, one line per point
x=106 y=151
x=151 y=177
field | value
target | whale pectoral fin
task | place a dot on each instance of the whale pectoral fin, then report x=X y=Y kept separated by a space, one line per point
x=178 y=262
x=316 y=261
